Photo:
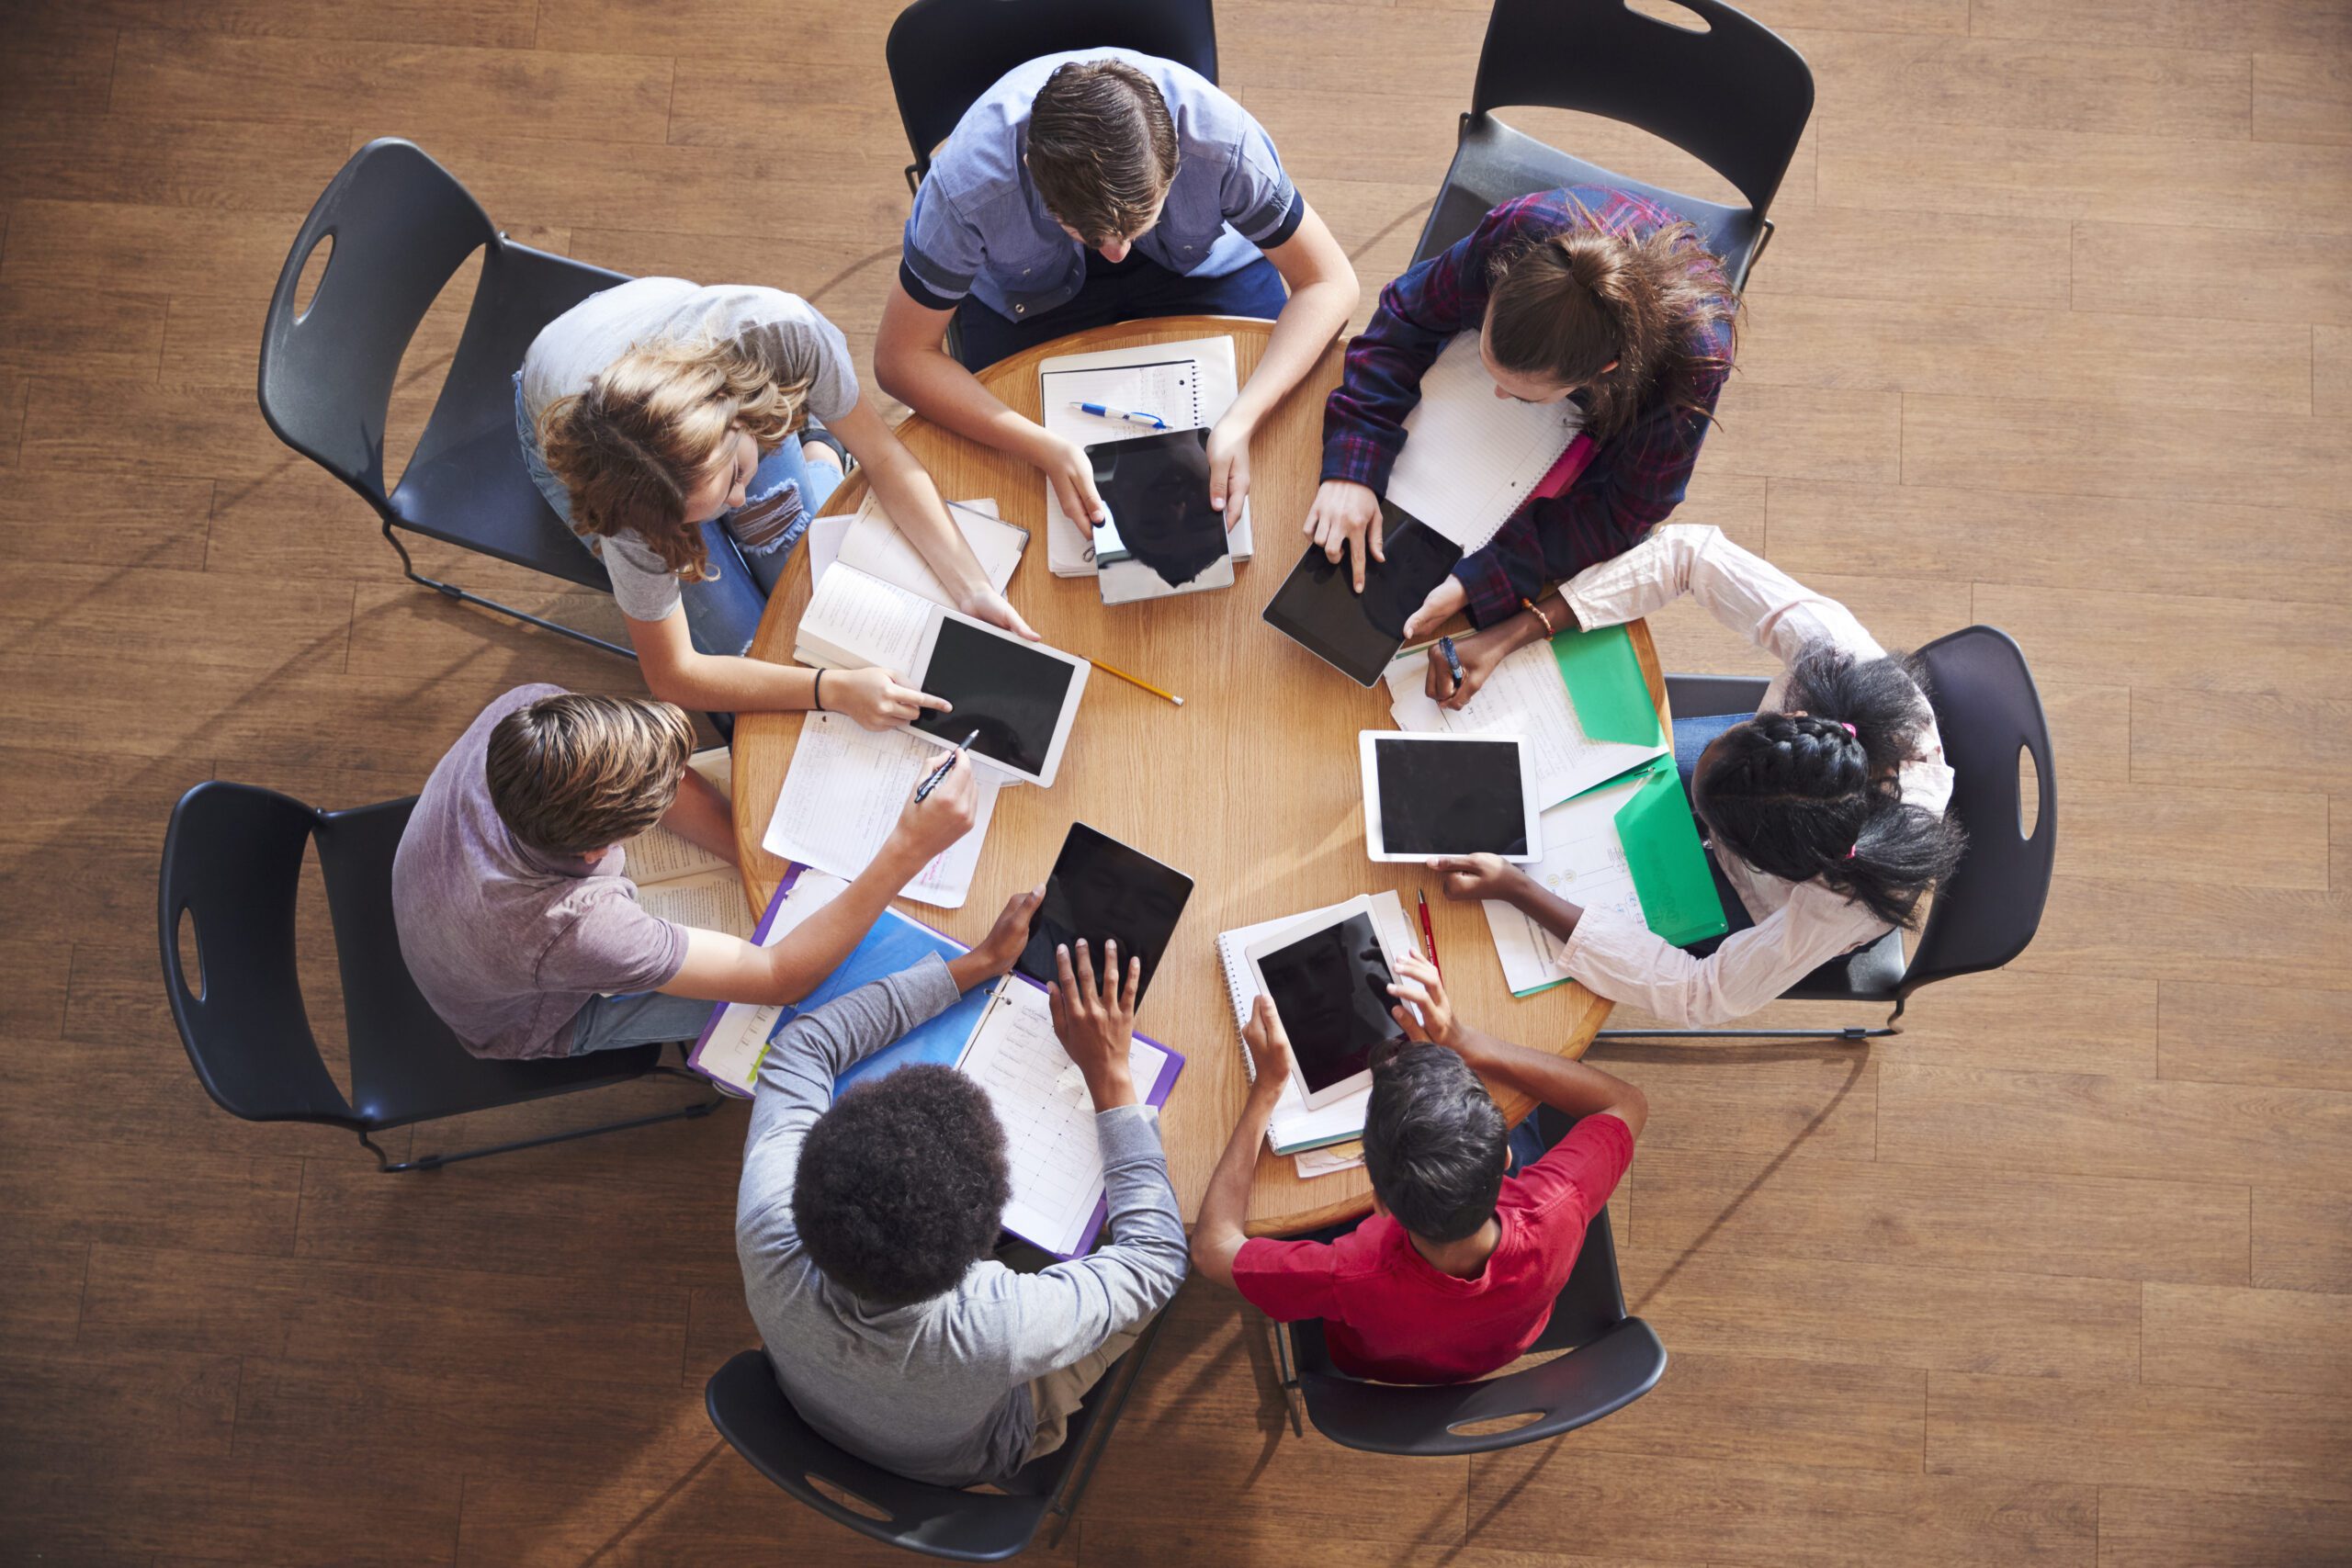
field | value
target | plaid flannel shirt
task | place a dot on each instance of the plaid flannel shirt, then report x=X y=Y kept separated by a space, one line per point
x=1634 y=480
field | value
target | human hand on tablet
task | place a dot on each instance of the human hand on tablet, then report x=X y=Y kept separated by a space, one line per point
x=1228 y=453
x=1478 y=654
x=1001 y=947
x=1269 y=1050
x=1469 y=877
x=927 y=827
x=1444 y=603
x=1070 y=474
x=987 y=605
x=1096 y=1024
x=1346 y=515
x=876 y=698
x=1419 y=984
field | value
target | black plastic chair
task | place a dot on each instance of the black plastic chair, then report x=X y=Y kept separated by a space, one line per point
x=1612 y=1360
x=402 y=226
x=1988 y=712
x=1735 y=96
x=752 y=1414
x=942 y=54
x=233 y=858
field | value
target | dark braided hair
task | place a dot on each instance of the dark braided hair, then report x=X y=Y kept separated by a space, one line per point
x=1800 y=798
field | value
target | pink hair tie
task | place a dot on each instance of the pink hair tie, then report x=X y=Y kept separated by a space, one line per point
x=1850 y=729
x=1850 y=853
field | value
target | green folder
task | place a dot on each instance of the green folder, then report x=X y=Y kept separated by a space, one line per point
x=1663 y=851
x=1604 y=682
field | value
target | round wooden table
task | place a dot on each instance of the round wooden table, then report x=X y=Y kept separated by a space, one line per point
x=1251 y=787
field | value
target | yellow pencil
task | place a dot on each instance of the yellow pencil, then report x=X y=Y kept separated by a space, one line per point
x=1130 y=680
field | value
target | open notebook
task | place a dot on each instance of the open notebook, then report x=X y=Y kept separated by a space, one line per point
x=1188 y=384
x=999 y=1035
x=843 y=793
x=867 y=540
x=682 y=882
x=1470 y=458
x=1293 y=1127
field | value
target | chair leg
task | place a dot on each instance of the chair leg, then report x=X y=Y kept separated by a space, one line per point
x=1288 y=1374
x=434 y=1161
x=451 y=590
x=1064 y=1508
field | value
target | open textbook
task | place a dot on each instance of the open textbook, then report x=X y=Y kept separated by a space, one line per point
x=682 y=882
x=843 y=793
x=999 y=1035
x=1470 y=458
x=869 y=541
x=1188 y=384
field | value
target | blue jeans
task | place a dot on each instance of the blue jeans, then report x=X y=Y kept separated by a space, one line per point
x=1131 y=291
x=722 y=615
x=640 y=1018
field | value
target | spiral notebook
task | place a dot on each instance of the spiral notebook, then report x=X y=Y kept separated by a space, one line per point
x=1188 y=384
x=1470 y=458
x=1294 y=1128
x=1001 y=1036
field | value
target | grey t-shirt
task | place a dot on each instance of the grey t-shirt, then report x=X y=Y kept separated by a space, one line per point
x=570 y=350
x=505 y=943
x=937 y=1390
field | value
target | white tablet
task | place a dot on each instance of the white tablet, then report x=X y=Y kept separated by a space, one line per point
x=1330 y=980
x=1019 y=694
x=1449 y=795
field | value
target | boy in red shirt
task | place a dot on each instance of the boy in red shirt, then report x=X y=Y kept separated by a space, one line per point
x=1454 y=1273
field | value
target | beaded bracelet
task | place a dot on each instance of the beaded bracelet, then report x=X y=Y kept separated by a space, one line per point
x=1532 y=608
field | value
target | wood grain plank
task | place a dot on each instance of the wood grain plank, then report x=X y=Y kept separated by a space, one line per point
x=2097 y=1126
x=57 y=331
x=2301 y=97
x=1955 y=258
x=42 y=1304
x=504 y=24
x=178 y=1402
x=2178 y=270
x=2283 y=25
x=1807 y=433
x=170 y=250
x=2129 y=1434
x=2275 y=936
x=138 y=157
x=1684 y=1509
x=2295 y=1342
x=2093 y=1023
x=2176 y=834
x=177 y=617
x=1818 y=1103
x=161 y=523
x=2176 y=733
x=1851 y=1211
x=2167 y=639
x=57 y=70
x=469 y=91
x=2220 y=1033
x=1932 y=346
x=2031 y=1326
x=71 y=425
x=2059 y=541
x=2091 y=727
x=1890 y=80
x=2332 y=371
x=2303 y=1239
x=69 y=1189
x=2144 y=1527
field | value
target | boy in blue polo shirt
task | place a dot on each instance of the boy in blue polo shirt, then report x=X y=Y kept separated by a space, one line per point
x=1100 y=186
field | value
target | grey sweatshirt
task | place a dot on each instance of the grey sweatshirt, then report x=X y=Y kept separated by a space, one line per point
x=938 y=1391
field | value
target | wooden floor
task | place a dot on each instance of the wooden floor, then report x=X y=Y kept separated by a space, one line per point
x=2053 y=336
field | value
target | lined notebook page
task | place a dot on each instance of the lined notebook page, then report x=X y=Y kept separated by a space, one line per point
x=1040 y=1100
x=1525 y=695
x=1470 y=457
x=1584 y=862
x=855 y=620
x=873 y=544
x=842 y=796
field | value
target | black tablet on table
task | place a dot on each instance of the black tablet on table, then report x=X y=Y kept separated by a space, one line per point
x=1104 y=890
x=1359 y=633
x=1155 y=488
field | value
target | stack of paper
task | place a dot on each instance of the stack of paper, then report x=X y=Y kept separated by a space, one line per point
x=1189 y=385
x=680 y=881
x=869 y=541
x=842 y=796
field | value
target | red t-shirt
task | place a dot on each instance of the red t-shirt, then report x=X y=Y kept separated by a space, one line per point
x=1389 y=1314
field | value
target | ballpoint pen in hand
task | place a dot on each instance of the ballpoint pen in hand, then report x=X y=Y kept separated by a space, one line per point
x=1452 y=659
x=923 y=790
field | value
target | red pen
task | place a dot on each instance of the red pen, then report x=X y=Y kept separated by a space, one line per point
x=1429 y=937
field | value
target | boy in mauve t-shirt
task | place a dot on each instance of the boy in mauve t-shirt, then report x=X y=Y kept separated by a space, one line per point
x=1454 y=1273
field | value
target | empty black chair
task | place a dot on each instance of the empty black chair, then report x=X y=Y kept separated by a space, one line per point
x=944 y=54
x=1733 y=96
x=1612 y=1360
x=400 y=227
x=752 y=1414
x=232 y=860
x=1990 y=715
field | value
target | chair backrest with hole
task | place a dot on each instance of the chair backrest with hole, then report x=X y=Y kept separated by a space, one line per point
x=942 y=54
x=1990 y=715
x=1724 y=88
x=232 y=864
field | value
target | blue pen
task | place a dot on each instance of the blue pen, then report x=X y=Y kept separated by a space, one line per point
x=1452 y=659
x=1101 y=411
x=923 y=790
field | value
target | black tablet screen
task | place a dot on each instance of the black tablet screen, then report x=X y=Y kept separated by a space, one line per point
x=1157 y=489
x=1360 y=633
x=1332 y=991
x=1008 y=690
x=1451 y=797
x=1103 y=891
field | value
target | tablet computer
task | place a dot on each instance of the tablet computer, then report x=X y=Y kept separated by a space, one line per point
x=1163 y=536
x=1358 y=634
x=1104 y=890
x=1449 y=795
x=1329 y=984
x=1019 y=694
